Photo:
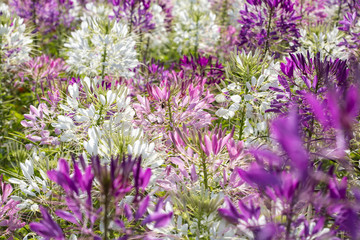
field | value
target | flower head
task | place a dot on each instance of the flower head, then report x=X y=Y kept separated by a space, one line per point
x=102 y=47
x=15 y=43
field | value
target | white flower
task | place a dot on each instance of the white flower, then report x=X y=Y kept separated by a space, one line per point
x=159 y=35
x=195 y=25
x=220 y=98
x=102 y=47
x=234 y=12
x=235 y=98
x=326 y=43
x=97 y=10
x=225 y=113
x=31 y=185
x=79 y=118
x=15 y=43
x=91 y=146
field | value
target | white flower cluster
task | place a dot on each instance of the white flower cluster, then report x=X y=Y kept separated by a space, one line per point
x=102 y=47
x=103 y=124
x=234 y=12
x=97 y=10
x=79 y=116
x=248 y=102
x=159 y=35
x=118 y=141
x=15 y=43
x=195 y=25
x=31 y=185
x=327 y=44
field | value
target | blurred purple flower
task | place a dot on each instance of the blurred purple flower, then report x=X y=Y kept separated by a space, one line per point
x=47 y=227
x=136 y=13
x=46 y=15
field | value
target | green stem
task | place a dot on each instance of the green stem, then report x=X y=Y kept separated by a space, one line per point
x=34 y=22
x=146 y=49
x=103 y=63
x=0 y=49
x=242 y=121
x=339 y=11
x=203 y=163
x=197 y=37
x=130 y=20
x=98 y=121
x=289 y=220
x=106 y=219
x=170 y=113
x=310 y=134
x=104 y=53
x=268 y=30
x=224 y=14
x=223 y=22
x=59 y=41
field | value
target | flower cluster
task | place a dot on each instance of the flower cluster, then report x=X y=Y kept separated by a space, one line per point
x=269 y=25
x=245 y=100
x=9 y=212
x=15 y=42
x=195 y=119
x=112 y=182
x=44 y=71
x=46 y=16
x=102 y=47
x=195 y=27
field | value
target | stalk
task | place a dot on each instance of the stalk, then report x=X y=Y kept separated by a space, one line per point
x=146 y=49
x=203 y=163
x=104 y=54
x=103 y=65
x=339 y=11
x=100 y=113
x=197 y=35
x=170 y=114
x=0 y=51
x=268 y=30
x=242 y=121
x=223 y=22
x=106 y=220
x=289 y=220
x=131 y=17
x=34 y=22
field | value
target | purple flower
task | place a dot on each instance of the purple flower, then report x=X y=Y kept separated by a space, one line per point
x=46 y=15
x=203 y=67
x=47 y=227
x=268 y=24
x=9 y=217
x=231 y=213
x=287 y=133
x=307 y=75
x=338 y=111
x=62 y=177
x=160 y=219
x=136 y=13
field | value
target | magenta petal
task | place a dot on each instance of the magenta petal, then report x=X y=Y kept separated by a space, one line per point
x=160 y=219
x=316 y=108
x=66 y=216
x=142 y=208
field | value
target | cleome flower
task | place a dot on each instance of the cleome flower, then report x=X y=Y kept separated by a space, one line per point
x=15 y=43
x=246 y=98
x=327 y=43
x=195 y=25
x=101 y=47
